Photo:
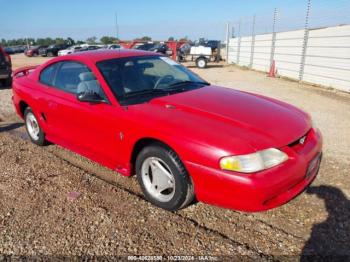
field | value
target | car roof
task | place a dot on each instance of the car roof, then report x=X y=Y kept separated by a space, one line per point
x=106 y=54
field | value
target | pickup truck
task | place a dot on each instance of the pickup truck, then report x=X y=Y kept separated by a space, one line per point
x=5 y=68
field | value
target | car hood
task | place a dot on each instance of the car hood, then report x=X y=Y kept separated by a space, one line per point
x=228 y=119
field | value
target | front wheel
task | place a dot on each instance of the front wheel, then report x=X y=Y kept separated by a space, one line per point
x=34 y=130
x=163 y=178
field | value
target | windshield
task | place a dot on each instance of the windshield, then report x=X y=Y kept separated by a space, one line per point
x=138 y=79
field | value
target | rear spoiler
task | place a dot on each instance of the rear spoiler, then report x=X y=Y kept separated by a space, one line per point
x=23 y=71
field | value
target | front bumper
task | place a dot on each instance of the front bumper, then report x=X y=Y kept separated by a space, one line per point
x=263 y=190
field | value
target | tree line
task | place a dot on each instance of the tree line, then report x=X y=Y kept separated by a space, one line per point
x=58 y=40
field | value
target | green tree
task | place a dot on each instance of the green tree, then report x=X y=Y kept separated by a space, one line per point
x=59 y=41
x=184 y=39
x=201 y=40
x=146 y=38
x=48 y=41
x=44 y=41
x=108 y=40
x=91 y=40
x=70 y=41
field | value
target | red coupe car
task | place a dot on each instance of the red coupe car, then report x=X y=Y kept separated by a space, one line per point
x=140 y=112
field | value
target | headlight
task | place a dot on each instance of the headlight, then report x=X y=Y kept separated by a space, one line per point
x=254 y=162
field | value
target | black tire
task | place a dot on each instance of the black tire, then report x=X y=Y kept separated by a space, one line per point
x=184 y=193
x=201 y=62
x=40 y=141
x=7 y=82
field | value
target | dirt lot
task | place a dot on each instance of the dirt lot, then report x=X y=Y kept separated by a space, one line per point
x=54 y=202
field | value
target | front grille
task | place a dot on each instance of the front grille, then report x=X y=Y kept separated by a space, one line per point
x=300 y=141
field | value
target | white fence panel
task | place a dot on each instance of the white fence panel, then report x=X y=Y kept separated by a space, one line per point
x=327 y=56
x=262 y=52
x=233 y=50
x=327 y=59
x=245 y=51
x=288 y=52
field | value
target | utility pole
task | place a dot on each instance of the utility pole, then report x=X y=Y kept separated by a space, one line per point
x=116 y=25
x=227 y=40
x=27 y=42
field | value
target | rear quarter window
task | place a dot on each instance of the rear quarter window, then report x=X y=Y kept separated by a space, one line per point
x=47 y=75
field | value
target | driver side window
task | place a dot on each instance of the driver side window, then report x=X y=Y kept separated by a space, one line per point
x=75 y=78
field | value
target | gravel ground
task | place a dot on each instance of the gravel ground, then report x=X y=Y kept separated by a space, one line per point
x=54 y=202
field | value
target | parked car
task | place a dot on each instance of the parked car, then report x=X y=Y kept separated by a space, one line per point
x=34 y=50
x=70 y=50
x=113 y=46
x=21 y=49
x=89 y=48
x=16 y=49
x=161 y=48
x=9 y=50
x=141 y=112
x=52 y=50
x=145 y=46
x=5 y=68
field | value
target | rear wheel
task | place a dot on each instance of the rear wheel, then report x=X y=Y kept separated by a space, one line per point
x=34 y=130
x=163 y=178
x=7 y=82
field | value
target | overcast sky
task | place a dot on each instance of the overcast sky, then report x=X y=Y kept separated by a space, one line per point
x=160 y=19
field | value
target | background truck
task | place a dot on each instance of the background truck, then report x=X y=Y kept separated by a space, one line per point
x=5 y=68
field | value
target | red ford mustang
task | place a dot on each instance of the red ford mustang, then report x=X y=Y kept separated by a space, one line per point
x=140 y=112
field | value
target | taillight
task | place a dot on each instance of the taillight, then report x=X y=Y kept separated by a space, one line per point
x=8 y=58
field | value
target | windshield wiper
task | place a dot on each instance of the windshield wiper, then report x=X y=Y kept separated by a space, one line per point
x=173 y=88
x=146 y=92
x=188 y=82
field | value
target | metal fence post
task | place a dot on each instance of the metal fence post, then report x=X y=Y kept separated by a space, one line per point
x=252 y=45
x=305 y=42
x=273 y=44
x=227 y=41
x=239 y=43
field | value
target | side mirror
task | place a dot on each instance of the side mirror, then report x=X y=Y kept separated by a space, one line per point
x=90 y=97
